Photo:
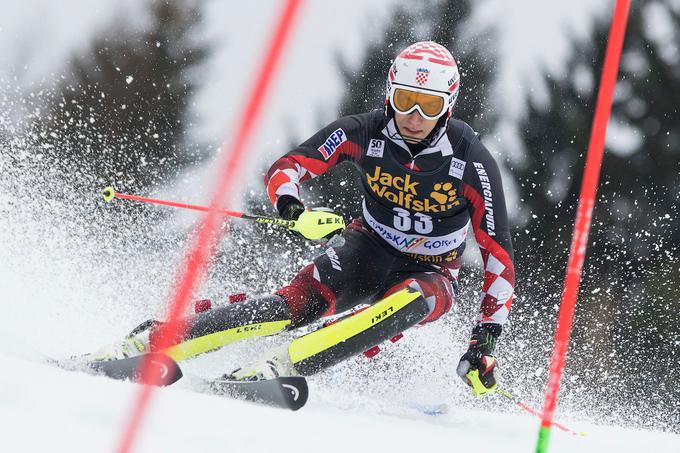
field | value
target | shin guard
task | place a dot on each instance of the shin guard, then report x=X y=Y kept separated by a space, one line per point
x=212 y=329
x=355 y=334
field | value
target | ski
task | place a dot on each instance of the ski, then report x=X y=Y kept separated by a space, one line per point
x=284 y=392
x=129 y=369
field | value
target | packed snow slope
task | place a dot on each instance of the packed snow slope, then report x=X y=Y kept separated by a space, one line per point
x=47 y=409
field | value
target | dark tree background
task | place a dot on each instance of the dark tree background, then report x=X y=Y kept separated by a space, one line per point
x=626 y=331
x=121 y=112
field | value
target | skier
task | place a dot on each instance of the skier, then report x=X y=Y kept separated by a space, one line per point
x=426 y=179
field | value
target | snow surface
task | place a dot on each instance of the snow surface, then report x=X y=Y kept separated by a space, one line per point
x=47 y=409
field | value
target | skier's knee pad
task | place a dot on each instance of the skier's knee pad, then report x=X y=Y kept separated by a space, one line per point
x=437 y=291
x=307 y=298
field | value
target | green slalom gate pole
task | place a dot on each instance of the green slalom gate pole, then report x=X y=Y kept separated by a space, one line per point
x=579 y=242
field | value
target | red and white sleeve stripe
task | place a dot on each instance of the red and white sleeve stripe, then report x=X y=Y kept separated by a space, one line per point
x=284 y=178
x=287 y=173
x=499 y=270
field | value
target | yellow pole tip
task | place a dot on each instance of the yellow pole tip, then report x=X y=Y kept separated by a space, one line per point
x=109 y=193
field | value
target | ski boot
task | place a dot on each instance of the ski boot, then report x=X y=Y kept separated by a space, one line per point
x=272 y=364
x=134 y=344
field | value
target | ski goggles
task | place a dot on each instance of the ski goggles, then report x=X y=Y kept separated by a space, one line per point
x=431 y=105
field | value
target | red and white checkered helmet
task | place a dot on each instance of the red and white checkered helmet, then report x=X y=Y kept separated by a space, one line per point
x=425 y=67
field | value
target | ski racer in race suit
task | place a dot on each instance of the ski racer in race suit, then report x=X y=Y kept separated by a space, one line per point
x=426 y=181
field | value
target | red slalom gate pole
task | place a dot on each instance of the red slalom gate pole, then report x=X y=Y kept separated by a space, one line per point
x=194 y=265
x=530 y=410
x=110 y=194
x=584 y=213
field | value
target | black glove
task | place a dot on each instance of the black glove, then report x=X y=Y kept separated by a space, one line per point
x=289 y=207
x=477 y=365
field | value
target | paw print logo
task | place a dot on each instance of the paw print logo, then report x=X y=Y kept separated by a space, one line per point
x=444 y=193
x=451 y=256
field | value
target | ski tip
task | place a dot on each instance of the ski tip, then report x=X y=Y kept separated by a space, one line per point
x=109 y=193
x=163 y=369
x=285 y=392
x=153 y=368
x=297 y=389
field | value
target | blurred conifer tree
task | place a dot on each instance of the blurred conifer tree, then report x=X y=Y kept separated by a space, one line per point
x=122 y=113
x=624 y=319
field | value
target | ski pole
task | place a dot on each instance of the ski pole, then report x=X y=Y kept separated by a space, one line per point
x=533 y=411
x=109 y=194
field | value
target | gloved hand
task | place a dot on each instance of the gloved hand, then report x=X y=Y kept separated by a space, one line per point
x=289 y=207
x=319 y=224
x=476 y=366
